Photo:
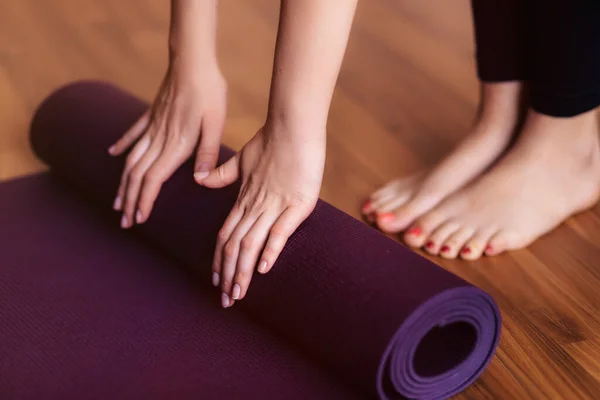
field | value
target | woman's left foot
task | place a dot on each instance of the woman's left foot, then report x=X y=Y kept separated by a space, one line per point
x=552 y=173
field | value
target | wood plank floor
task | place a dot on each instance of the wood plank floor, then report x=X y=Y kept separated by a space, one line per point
x=407 y=93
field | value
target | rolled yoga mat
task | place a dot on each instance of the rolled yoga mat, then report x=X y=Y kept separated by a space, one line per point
x=91 y=311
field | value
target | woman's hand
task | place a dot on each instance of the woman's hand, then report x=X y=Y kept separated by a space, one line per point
x=281 y=167
x=281 y=174
x=188 y=114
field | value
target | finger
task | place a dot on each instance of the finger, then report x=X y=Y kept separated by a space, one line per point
x=132 y=159
x=283 y=228
x=223 y=236
x=171 y=158
x=231 y=252
x=134 y=182
x=250 y=248
x=131 y=135
x=210 y=142
x=225 y=175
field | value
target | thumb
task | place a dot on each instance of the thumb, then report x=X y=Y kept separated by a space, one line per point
x=224 y=175
x=209 y=147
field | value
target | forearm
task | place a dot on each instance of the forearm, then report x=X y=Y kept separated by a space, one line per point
x=192 y=34
x=311 y=43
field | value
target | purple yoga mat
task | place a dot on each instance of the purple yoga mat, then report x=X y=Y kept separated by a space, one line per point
x=90 y=310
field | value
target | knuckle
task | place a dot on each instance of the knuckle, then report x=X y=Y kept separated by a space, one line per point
x=208 y=153
x=248 y=242
x=279 y=231
x=242 y=276
x=154 y=175
x=182 y=138
x=269 y=254
x=227 y=284
x=230 y=249
x=259 y=205
x=135 y=175
x=129 y=163
x=222 y=236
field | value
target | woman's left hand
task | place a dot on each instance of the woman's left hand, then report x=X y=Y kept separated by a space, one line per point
x=281 y=174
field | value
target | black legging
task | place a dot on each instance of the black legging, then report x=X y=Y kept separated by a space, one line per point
x=552 y=44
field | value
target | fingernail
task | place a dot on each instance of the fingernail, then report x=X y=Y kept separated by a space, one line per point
x=202 y=172
x=138 y=216
x=415 y=231
x=262 y=267
x=466 y=250
x=237 y=290
x=224 y=300
x=215 y=279
x=124 y=222
x=445 y=249
x=488 y=248
x=385 y=218
x=429 y=244
x=200 y=175
x=112 y=149
x=117 y=203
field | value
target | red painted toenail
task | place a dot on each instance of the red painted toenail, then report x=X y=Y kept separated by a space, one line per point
x=488 y=248
x=385 y=218
x=429 y=245
x=415 y=231
x=466 y=250
x=445 y=248
x=367 y=206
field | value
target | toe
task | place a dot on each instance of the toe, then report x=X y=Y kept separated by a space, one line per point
x=389 y=191
x=374 y=201
x=455 y=243
x=393 y=203
x=406 y=214
x=386 y=190
x=476 y=246
x=435 y=243
x=415 y=237
x=373 y=207
x=499 y=243
x=419 y=233
x=386 y=199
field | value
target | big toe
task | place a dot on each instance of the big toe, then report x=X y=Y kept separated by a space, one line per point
x=405 y=215
x=390 y=196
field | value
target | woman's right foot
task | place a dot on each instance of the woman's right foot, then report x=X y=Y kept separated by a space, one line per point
x=397 y=204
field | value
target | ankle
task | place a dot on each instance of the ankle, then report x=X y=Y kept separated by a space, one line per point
x=571 y=144
x=500 y=107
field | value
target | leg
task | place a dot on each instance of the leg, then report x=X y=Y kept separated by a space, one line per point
x=566 y=67
x=553 y=171
x=501 y=62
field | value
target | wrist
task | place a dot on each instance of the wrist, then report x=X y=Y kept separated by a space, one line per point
x=296 y=118
x=294 y=126
x=192 y=68
x=191 y=55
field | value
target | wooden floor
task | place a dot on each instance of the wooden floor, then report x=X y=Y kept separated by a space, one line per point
x=406 y=94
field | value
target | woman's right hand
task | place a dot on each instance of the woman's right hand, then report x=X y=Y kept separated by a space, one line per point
x=188 y=114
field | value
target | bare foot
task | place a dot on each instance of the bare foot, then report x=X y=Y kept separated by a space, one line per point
x=397 y=204
x=552 y=173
